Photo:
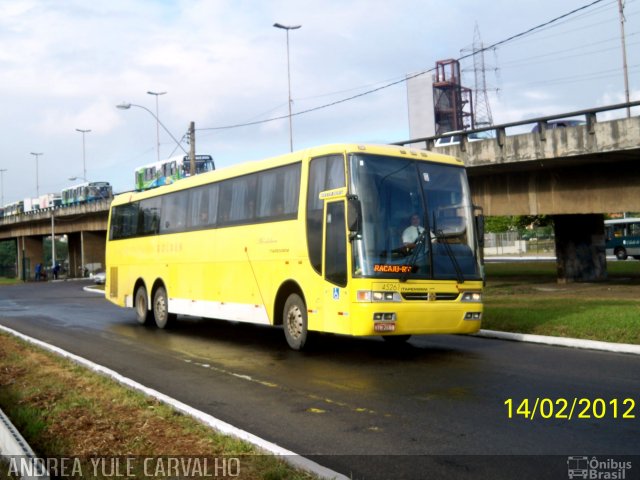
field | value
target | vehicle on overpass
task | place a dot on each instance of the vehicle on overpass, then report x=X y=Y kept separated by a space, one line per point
x=43 y=202
x=167 y=171
x=562 y=123
x=50 y=200
x=455 y=137
x=86 y=192
x=623 y=237
x=203 y=164
x=14 y=208
x=311 y=240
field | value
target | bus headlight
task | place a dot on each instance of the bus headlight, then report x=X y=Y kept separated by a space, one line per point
x=372 y=296
x=384 y=317
x=473 y=297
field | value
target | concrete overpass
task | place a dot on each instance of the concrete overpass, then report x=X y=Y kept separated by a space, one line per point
x=576 y=174
x=85 y=226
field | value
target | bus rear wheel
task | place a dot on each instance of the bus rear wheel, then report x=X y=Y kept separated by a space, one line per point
x=294 y=320
x=161 y=313
x=621 y=254
x=144 y=316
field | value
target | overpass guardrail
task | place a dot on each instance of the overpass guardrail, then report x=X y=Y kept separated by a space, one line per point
x=499 y=131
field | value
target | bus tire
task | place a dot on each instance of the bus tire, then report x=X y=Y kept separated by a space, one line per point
x=621 y=254
x=161 y=313
x=144 y=316
x=294 y=321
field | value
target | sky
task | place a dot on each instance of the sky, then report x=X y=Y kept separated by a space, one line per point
x=66 y=64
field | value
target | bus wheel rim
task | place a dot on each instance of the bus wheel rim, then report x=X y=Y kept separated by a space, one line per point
x=161 y=308
x=141 y=305
x=294 y=321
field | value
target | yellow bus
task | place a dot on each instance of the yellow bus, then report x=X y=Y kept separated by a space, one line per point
x=314 y=241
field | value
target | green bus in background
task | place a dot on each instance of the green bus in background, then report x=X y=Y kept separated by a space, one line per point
x=623 y=237
x=170 y=170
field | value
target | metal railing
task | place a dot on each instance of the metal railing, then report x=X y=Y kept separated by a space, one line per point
x=500 y=130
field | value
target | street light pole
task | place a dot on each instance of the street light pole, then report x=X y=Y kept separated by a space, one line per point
x=37 y=181
x=2 y=170
x=157 y=94
x=287 y=28
x=624 y=55
x=127 y=106
x=84 y=159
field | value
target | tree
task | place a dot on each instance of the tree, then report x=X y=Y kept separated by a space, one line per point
x=517 y=223
x=8 y=253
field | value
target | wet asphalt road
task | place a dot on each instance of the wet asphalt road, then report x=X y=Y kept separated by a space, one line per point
x=434 y=408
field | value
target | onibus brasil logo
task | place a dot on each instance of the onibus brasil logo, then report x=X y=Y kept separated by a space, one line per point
x=594 y=468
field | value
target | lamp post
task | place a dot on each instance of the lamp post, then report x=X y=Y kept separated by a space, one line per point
x=287 y=28
x=127 y=106
x=37 y=181
x=157 y=94
x=624 y=55
x=2 y=170
x=84 y=159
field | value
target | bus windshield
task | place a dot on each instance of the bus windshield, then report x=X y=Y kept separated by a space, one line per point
x=203 y=164
x=417 y=220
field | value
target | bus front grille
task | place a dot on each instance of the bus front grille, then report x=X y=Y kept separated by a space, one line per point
x=438 y=297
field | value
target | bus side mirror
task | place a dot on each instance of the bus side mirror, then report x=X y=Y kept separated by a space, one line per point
x=480 y=223
x=479 y=218
x=354 y=216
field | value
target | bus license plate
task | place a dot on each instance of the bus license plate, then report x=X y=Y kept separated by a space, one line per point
x=384 y=327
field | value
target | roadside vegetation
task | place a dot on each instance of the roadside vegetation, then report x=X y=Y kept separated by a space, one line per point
x=63 y=409
x=525 y=297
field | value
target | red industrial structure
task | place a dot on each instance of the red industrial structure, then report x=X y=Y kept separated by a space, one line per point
x=453 y=104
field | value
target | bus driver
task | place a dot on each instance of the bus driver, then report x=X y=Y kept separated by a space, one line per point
x=412 y=232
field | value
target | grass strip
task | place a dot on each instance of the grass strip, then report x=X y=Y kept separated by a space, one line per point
x=63 y=409
x=526 y=298
x=608 y=321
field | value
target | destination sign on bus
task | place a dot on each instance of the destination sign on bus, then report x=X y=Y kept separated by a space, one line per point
x=380 y=267
x=336 y=192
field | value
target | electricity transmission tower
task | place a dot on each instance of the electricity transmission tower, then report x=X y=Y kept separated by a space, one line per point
x=481 y=106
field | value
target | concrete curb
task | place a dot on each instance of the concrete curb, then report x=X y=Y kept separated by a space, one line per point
x=562 y=342
x=223 y=427
x=92 y=289
x=12 y=444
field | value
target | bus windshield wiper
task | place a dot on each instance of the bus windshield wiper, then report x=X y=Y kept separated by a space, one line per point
x=413 y=259
x=440 y=236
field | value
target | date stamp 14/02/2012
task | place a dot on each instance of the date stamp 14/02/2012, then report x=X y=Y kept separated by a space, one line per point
x=575 y=408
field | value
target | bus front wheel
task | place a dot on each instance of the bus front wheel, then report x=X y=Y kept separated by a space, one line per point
x=621 y=254
x=161 y=313
x=295 y=321
x=144 y=316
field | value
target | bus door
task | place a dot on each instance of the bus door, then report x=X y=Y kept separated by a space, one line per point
x=336 y=311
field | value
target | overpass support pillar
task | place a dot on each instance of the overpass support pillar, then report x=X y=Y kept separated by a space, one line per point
x=86 y=252
x=580 y=248
x=76 y=258
x=30 y=253
x=94 y=244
